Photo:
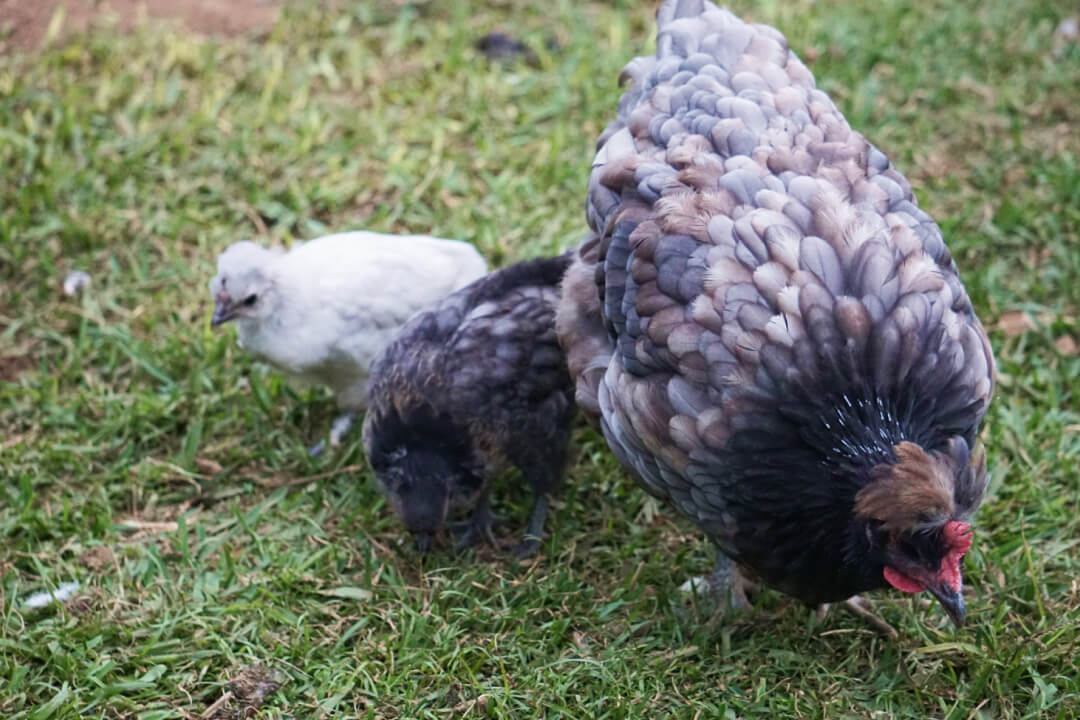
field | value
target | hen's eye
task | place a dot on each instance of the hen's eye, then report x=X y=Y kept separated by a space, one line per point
x=250 y=300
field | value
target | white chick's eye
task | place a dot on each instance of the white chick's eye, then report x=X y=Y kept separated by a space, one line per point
x=250 y=300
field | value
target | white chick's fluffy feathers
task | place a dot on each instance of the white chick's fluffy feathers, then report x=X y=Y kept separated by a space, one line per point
x=323 y=311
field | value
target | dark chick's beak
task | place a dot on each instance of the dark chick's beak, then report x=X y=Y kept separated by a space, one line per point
x=423 y=543
x=223 y=309
x=951 y=599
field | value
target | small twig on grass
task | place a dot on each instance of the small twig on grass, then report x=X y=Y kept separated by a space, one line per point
x=148 y=526
x=218 y=704
x=307 y=479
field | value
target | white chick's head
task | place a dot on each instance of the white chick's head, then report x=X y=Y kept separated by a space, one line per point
x=243 y=290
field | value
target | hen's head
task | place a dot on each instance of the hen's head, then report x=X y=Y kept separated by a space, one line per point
x=916 y=511
x=243 y=289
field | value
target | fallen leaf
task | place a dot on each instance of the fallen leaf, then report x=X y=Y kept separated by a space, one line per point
x=208 y=466
x=1066 y=345
x=96 y=558
x=1015 y=322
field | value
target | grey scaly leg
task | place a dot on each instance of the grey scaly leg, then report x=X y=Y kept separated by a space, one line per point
x=534 y=533
x=728 y=585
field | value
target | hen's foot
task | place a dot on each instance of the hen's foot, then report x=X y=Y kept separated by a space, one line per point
x=857 y=606
x=727 y=585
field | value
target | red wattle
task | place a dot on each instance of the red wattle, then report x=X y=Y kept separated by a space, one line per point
x=958 y=537
x=902 y=582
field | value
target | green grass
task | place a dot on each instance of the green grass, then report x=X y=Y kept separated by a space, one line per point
x=138 y=157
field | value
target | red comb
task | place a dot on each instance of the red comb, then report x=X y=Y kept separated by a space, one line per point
x=958 y=536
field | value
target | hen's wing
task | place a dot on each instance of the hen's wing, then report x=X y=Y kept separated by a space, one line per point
x=755 y=256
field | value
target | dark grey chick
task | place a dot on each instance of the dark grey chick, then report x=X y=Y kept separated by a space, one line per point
x=473 y=386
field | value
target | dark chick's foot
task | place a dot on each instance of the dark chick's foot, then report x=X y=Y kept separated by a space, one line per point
x=476 y=528
x=423 y=543
x=527 y=548
x=534 y=533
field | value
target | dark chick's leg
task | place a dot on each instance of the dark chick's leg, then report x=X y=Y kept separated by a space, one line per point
x=542 y=466
x=478 y=527
x=534 y=533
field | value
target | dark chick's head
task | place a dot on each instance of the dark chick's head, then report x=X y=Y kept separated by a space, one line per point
x=243 y=290
x=419 y=486
x=916 y=512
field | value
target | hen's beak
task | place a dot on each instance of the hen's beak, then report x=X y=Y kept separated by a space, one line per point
x=223 y=309
x=951 y=599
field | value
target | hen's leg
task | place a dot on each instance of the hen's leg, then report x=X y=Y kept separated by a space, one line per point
x=857 y=606
x=729 y=587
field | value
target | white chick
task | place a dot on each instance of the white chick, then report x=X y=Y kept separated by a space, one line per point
x=323 y=311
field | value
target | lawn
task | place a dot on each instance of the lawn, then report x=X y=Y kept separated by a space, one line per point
x=144 y=456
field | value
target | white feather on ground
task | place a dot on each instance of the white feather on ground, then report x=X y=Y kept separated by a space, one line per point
x=60 y=595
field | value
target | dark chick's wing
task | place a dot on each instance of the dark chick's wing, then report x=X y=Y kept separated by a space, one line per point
x=504 y=353
x=407 y=380
x=756 y=255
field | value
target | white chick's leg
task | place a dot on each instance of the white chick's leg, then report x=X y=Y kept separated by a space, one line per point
x=856 y=606
x=341 y=425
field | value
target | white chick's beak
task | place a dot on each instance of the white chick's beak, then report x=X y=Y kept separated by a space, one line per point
x=223 y=309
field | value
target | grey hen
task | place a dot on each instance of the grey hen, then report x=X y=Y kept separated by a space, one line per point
x=771 y=331
x=473 y=386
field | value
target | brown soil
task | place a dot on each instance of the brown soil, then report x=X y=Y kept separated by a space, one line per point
x=12 y=367
x=23 y=23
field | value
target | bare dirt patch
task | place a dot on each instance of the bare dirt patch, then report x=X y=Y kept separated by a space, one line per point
x=24 y=23
x=13 y=366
